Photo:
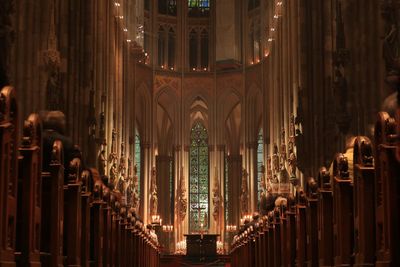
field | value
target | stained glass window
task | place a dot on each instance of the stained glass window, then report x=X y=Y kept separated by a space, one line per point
x=198 y=178
x=199 y=3
x=199 y=8
x=260 y=162
x=138 y=153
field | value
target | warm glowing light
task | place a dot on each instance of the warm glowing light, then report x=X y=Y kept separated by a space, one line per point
x=129 y=40
x=279 y=3
x=162 y=66
x=258 y=61
x=270 y=39
x=121 y=17
x=272 y=29
x=145 y=54
x=205 y=69
x=117 y=4
x=252 y=63
x=125 y=29
x=276 y=16
x=172 y=68
x=194 y=69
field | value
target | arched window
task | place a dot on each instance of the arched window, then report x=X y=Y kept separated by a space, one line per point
x=167 y=7
x=199 y=8
x=198 y=178
x=193 y=49
x=161 y=46
x=171 y=48
x=260 y=162
x=204 y=49
x=138 y=155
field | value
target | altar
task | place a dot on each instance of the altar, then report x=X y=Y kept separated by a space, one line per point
x=201 y=245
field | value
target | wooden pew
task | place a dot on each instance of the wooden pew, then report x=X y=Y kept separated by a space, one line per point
x=325 y=218
x=291 y=233
x=29 y=194
x=86 y=199
x=301 y=228
x=96 y=221
x=387 y=191
x=72 y=211
x=312 y=223
x=53 y=209
x=343 y=212
x=107 y=217
x=8 y=174
x=277 y=236
x=364 y=206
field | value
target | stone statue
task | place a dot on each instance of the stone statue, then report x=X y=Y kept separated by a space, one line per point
x=101 y=163
x=216 y=196
x=292 y=164
x=283 y=147
x=244 y=195
x=275 y=160
x=135 y=196
x=181 y=199
x=113 y=174
x=153 y=192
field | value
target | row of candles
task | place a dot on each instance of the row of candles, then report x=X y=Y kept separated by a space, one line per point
x=156 y=220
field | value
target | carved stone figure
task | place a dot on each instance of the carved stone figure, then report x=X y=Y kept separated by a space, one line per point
x=101 y=162
x=181 y=199
x=135 y=196
x=113 y=174
x=216 y=196
x=275 y=160
x=292 y=164
x=153 y=192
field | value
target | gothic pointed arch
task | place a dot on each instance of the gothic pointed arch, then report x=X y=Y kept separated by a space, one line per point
x=199 y=195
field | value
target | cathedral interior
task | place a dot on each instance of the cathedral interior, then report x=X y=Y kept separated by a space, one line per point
x=172 y=133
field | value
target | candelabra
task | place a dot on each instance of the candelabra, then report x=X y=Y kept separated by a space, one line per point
x=156 y=219
x=231 y=228
x=245 y=218
x=168 y=228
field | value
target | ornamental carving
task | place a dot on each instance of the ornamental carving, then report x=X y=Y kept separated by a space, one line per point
x=216 y=196
x=153 y=192
x=181 y=197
